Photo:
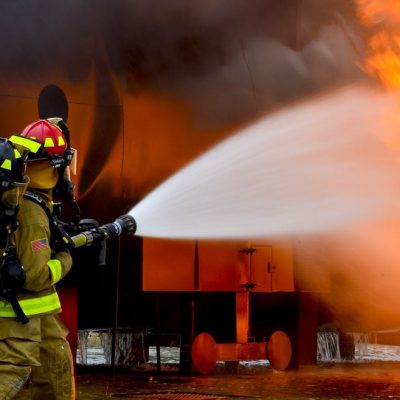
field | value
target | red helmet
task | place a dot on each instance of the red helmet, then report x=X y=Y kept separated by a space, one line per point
x=52 y=137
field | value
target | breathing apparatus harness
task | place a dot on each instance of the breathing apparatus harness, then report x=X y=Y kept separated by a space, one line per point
x=53 y=223
x=12 y=275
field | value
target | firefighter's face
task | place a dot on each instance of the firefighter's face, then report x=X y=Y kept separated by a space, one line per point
x=42 y=175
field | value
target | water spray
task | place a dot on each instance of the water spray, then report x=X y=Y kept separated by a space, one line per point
x=319 y=165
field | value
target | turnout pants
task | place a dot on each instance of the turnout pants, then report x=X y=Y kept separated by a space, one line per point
x=35 y=360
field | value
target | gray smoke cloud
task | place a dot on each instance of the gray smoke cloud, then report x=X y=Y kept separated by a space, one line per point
x=265 y=74
x=229 y=59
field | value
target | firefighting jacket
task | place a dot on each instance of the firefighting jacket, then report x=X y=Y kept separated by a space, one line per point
x=43 y=271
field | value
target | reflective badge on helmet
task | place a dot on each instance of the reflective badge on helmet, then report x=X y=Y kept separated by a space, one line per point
x=39 y=244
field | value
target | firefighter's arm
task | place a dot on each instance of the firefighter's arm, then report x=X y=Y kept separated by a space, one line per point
x=34 y=252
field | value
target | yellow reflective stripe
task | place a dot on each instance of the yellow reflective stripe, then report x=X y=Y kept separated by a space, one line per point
x=31 y=145
x=55 y=269
x=6 y=164
x=61 y=141
x=17 y=154
x=34 y=306
x=48 y=142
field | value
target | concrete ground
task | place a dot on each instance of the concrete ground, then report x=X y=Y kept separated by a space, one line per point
x=326 y=381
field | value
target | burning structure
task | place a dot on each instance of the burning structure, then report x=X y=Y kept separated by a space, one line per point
x=146 y=89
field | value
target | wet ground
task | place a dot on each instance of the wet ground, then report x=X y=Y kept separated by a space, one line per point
x=373 y=374
x=352 y=380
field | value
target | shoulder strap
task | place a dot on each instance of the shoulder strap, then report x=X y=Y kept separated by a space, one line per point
x=28 y=195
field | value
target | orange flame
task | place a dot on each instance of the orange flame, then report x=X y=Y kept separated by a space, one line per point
x=384 y=59
x=383 y=54
x=371 y=12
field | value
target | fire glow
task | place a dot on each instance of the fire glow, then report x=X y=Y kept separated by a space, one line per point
x=383 y=54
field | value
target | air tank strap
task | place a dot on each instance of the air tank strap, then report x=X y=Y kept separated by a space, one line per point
x=28 y=195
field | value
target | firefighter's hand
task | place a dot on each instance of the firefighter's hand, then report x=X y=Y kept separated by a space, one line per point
x=59 y=246
x=13 y=273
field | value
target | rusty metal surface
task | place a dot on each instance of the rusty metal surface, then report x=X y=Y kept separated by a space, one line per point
x=222 y=266
x=168 y=265
x=242 y=316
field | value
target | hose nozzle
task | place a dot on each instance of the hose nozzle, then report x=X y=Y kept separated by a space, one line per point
x=123 y=224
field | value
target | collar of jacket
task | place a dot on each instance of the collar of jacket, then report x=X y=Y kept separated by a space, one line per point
x=44 y=194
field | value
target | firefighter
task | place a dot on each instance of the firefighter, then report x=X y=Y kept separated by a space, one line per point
x=15 y=336
x=48 y=359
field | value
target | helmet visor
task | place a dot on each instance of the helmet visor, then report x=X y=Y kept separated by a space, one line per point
x=12 y=197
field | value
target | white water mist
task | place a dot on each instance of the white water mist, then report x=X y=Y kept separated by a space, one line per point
x=314 y=166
